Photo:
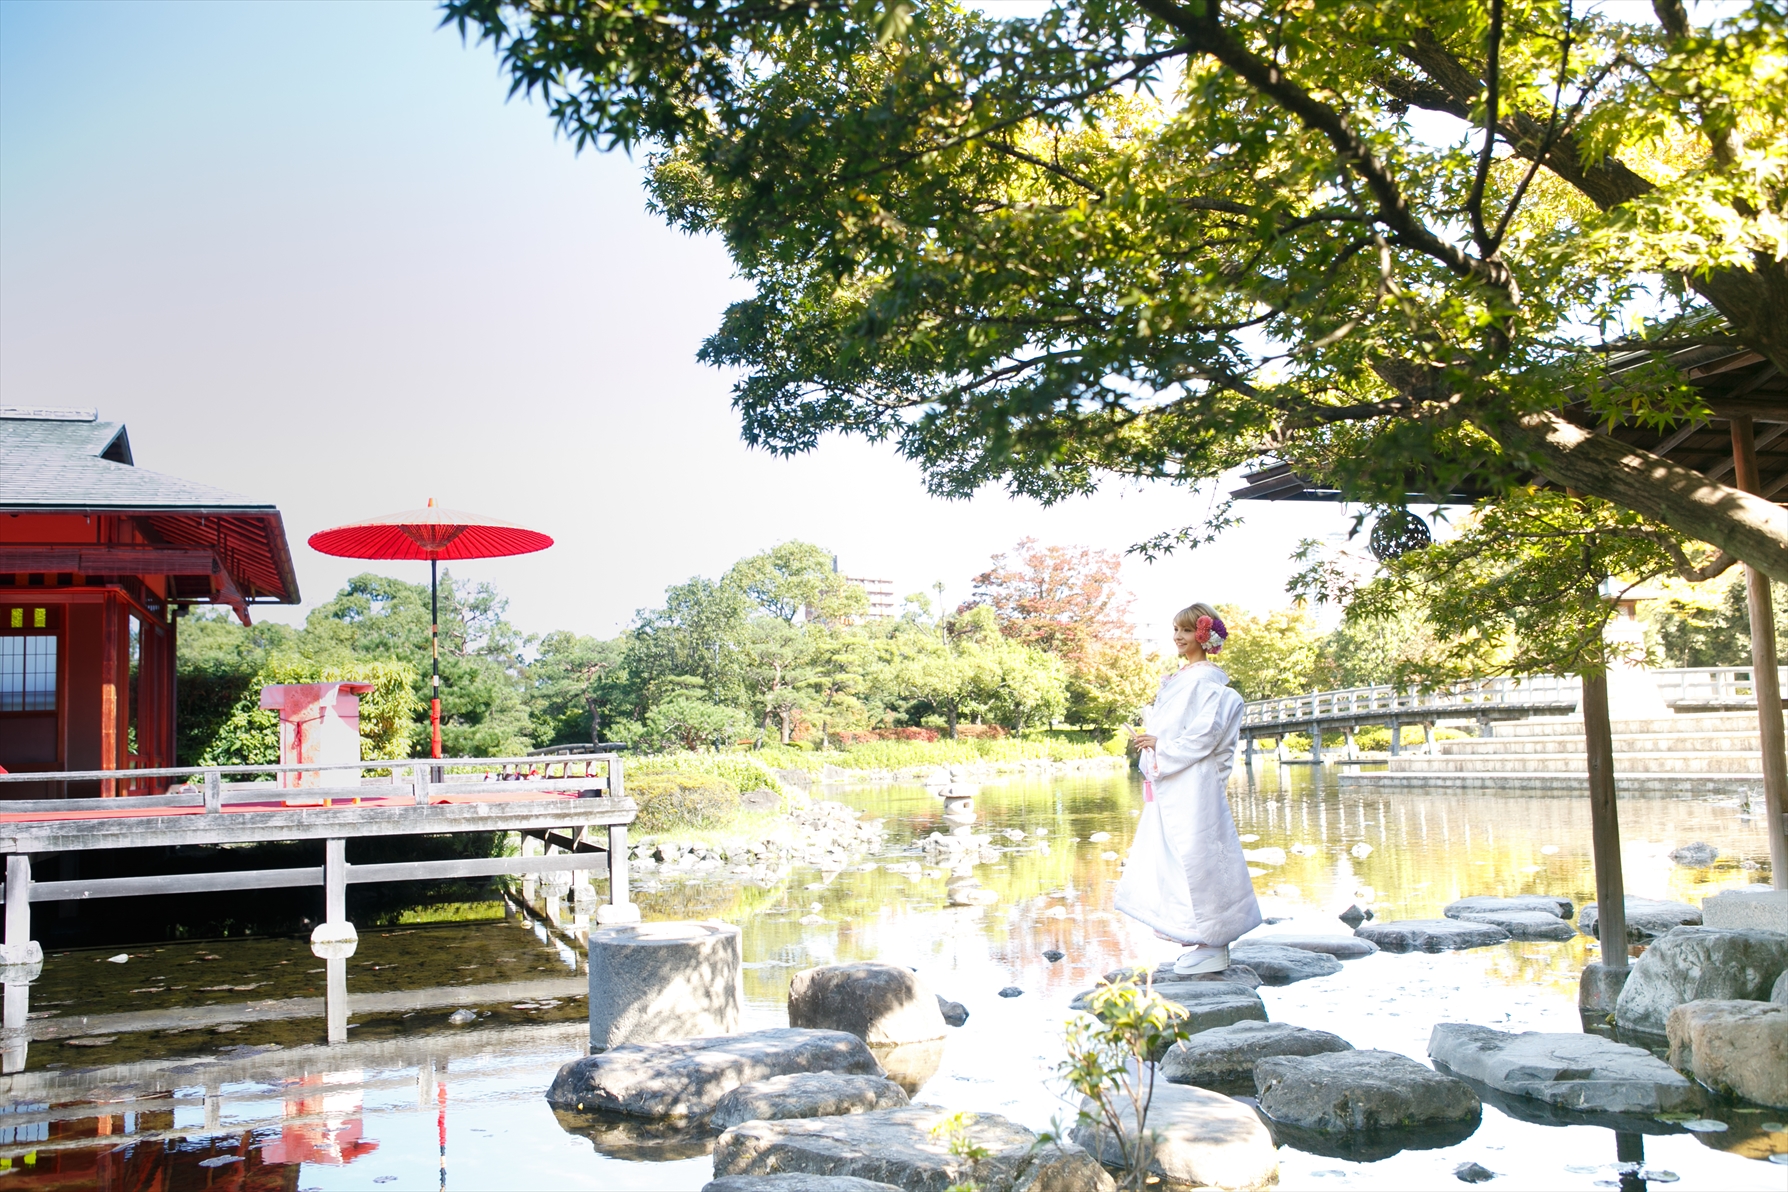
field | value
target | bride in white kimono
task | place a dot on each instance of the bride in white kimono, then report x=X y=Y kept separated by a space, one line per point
x=1186 y=877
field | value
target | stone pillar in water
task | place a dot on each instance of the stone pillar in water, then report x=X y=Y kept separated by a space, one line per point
x=656 y=981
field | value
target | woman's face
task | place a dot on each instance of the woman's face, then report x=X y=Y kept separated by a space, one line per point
x=1185 y=644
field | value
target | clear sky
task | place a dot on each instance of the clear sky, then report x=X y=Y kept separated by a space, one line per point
x=310 y=254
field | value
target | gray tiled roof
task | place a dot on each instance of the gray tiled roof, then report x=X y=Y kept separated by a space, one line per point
x=51 y=460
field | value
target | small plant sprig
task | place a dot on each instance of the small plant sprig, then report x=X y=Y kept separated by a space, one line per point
x=955 y=1128
x=1112 y=1051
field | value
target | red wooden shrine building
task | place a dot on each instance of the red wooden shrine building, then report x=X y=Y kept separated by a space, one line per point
x=98 y=558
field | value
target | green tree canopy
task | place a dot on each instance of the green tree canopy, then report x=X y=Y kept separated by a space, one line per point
x=1161 y=238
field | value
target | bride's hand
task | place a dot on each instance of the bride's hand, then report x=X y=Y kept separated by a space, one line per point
x=1144 y=740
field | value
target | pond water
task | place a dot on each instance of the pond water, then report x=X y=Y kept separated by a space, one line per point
x=200 y=1064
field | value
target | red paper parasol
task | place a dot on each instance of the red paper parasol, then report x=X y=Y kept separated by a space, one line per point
x=433 y=534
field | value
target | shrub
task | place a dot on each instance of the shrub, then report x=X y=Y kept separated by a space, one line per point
x=746 y=772
x=671 y=801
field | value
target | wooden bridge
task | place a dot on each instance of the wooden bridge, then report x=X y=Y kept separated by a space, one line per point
x=1691 y=689
x=574 y=803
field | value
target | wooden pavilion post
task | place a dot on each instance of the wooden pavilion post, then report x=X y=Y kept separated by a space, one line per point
x=1764 y=678
x=1604 y=821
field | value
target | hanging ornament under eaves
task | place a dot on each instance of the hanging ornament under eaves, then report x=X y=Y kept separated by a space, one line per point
x=1396 y=533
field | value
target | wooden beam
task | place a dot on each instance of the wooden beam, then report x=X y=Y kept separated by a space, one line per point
x=1764 y=676
x=1604 y=823
x=109 y=560
x=176 y=883
x=1756 y=440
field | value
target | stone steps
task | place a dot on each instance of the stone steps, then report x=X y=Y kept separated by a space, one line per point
x=1692 y=723
x=1577 y=763
x=1536 y=746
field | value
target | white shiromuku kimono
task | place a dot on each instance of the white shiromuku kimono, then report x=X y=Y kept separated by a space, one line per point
x=1186 y=877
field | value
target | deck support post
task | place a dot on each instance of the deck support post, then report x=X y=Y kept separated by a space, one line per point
x=19 y=947
x=1316 y=742
x=620 y=907
x=1396 y=738
x=335 y=938
x=1765 y=680
x=1611 y=899
x=1248 y=751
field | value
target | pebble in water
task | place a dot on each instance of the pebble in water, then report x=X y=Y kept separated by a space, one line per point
x=1011 y=991
x=1658 y=1175
x=461 y=1018
x=1099 y=837
x=118 y=959
x=1052 y=955
x=1108 y=856
x=1362 y=849
x=1704 y=1126
x=1474 y=1173
x=1041 y=832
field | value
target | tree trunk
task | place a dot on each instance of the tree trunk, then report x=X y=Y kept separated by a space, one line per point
x=950 y=717
x=1743 y=525
x=1604 y=822
x=788 y=727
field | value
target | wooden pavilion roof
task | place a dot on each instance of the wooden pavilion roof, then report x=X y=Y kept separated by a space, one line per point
x=1732 y=383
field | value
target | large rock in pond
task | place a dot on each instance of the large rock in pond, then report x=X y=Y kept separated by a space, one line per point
x=1494 y=904
x=1202 y=1139
x=686 y=1078
x=1647 y=918
x=910 y=1148
x=1350 y=1091
x=1736 y=1047
x=1223 y=1058
x=1431 y=935
x=1207 y=1003
x=1523 y=925
x=795 y=1183
x=805 y=1094
x=885 y=1005
x=1279 y=965
x=1586 y=1073
x=1689 y=964
x=1341 y=947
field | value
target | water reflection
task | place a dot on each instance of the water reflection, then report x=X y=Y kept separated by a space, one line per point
x=210 y=1072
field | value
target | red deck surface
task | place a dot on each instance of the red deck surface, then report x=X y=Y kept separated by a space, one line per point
x=120 y=808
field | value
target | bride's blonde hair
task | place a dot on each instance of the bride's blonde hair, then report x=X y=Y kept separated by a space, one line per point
x=1187 y=618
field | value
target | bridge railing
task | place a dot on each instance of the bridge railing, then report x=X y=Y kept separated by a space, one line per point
x=1527 y=694
x=1690 y=688
x=1711 y=687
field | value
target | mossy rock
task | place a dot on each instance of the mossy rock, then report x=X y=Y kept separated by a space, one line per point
x=672 y=801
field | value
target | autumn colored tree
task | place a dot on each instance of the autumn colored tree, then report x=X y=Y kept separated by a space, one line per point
x=1067 y=600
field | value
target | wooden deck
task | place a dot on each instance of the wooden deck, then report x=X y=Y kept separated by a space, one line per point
x=576 y=803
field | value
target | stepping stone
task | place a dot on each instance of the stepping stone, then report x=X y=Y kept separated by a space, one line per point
x=955 y=1013
x=1586 y=1073
x=1523 y=925
x=1558 y=908
x=1203 y=1139
x=795 y=1183
x=1207 y=1003
x=1695 y=964
x=1431 y=935
x=1281 y=965
x=908 y=1148
x=686 y=1078
x=1356 y=1091
x=1647 y=919
x=1341 y=947
x=1737 y=1047
x=1695 y=856
x=1235 y=974
x=805 y=1094
x=882 y=1004
x=1223 y=1057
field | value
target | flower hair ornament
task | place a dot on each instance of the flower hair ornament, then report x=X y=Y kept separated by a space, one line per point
x=1210 y=634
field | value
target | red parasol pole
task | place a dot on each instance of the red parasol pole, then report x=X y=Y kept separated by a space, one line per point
x=434 y=657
